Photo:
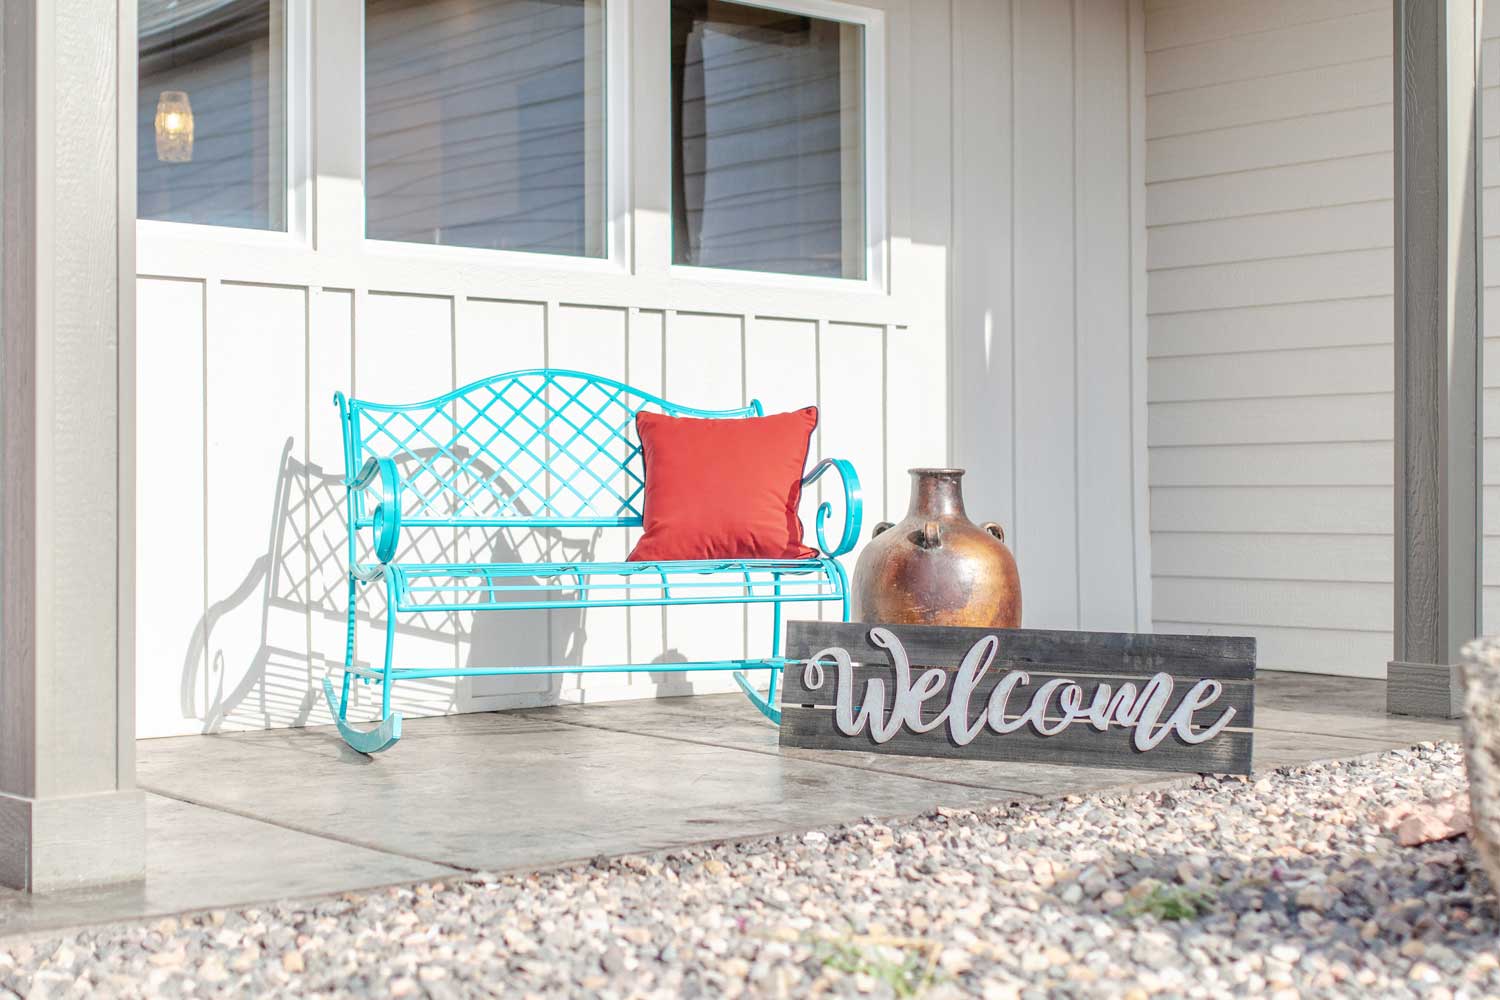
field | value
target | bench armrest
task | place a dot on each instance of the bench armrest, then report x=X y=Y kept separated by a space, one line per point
x=387 y=513
x=853 y=505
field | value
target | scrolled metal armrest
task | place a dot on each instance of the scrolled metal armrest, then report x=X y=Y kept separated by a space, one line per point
x=853 y=505
x=387 y=513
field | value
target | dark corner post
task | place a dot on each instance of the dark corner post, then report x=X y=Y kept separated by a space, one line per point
x=70 y=813
x=1439 y=289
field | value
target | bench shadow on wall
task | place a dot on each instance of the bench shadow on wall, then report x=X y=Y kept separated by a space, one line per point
x=258 y=655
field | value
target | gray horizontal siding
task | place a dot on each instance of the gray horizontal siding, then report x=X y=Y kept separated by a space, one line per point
x=1269 y=215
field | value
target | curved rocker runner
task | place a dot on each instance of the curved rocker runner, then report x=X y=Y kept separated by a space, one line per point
x=538 y=450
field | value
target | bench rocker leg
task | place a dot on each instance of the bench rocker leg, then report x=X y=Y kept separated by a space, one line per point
x=384 y=735
x=766 y=703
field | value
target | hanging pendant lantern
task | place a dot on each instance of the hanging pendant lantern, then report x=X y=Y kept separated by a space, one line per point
x=174 y=127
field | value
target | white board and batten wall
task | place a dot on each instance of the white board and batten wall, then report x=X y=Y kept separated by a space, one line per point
x=1048 y=285
x=244 y=338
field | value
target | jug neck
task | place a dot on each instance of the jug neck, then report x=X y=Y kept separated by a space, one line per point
x=936 y=493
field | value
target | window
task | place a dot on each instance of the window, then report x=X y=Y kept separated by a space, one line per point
x=484 y=124
x=768 y=145
x=211 y=144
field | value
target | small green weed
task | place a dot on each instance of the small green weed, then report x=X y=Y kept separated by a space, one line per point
x=1166 y=902
x=907 y=972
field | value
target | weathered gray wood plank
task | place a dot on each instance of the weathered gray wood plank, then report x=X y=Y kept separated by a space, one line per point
x=1219 y=657
x=1237 y=694
x=1087 y=659
x=1227 y=753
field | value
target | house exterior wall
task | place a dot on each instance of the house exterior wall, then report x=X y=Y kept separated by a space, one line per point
x=1049 y=299
x=1269 y=240
x=244 y=339
x=1269 y=215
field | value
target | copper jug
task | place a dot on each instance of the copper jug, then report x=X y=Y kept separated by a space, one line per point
x=936 y=567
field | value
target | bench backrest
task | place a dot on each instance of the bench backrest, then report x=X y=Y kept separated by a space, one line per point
x=545 y=446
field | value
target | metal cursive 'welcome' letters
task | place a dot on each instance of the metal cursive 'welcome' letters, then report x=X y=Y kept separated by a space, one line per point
x=1114 y=699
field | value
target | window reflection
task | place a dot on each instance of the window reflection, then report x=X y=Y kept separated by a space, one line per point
x=768 y=145
x=484 y=124
x=211 y=113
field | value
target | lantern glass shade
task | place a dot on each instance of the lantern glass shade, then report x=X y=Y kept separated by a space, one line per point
x=211 y=112
x=174 y=127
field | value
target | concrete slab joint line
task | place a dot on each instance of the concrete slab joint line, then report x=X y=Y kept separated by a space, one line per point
x=294 y=828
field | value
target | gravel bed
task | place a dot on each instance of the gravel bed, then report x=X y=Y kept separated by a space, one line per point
x=1281 y=886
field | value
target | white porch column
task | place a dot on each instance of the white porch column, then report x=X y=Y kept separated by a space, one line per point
x=1439 y=289
x=69 y=811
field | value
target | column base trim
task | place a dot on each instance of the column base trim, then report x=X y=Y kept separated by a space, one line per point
x=73 y=841
x=1431 y=690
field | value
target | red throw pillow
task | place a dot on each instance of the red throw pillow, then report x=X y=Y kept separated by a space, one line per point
x=724 y=489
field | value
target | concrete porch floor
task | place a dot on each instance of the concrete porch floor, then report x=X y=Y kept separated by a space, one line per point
x=251 y=817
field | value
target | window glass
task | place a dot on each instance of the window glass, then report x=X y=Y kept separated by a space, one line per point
x=211 y=113
x=484 y=124
x=768 y=145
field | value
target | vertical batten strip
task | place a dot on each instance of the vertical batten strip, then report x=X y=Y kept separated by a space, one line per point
x=745 y=319
x=885 y=425
x=1017 y=533
x=314 y=660
x=744 y=401
x=127 y=39
x=361 y=309
x=1139 y=342
x=953 y=330
x=1079 y=140
x=212 y=307
x=668 y=323
x=457 y=306
x=359 y=313
x=632 y=325
x=820 y=325
x=551 y=315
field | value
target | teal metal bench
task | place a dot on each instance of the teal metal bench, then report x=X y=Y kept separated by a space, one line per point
x=540 y=449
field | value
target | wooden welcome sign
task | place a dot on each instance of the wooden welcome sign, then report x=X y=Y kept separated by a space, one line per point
x=1108 y=699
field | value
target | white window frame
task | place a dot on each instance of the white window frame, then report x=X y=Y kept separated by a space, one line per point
x=877 y=250
x=296 y=117
x=617 y=207
x=324 y=242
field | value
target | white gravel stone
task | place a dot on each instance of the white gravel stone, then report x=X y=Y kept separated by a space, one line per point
x=1284 y=886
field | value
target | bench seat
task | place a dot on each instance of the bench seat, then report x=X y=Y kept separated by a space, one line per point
x=517 y=586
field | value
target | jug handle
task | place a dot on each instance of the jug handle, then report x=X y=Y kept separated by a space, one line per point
x=931 y=536
x=882 y=526
x=995 y=530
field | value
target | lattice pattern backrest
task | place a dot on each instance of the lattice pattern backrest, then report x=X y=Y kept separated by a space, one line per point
x=524 y=446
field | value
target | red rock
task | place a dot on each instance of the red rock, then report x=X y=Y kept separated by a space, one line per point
x=1426 y=822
